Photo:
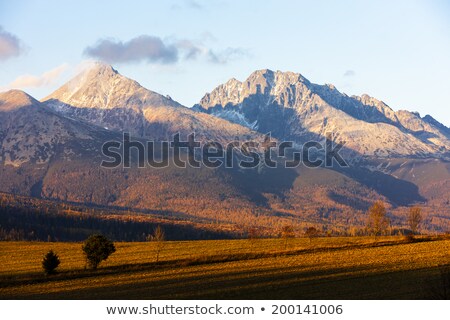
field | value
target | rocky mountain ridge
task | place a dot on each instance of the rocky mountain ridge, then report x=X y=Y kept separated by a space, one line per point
x=103 y=97
x=292 y=108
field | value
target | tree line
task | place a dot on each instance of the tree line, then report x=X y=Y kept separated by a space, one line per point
x=25 y=223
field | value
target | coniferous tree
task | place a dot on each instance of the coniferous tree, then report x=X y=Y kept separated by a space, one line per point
x=50 y=262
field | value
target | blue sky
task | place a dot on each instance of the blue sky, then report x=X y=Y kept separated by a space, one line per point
x=396 y=51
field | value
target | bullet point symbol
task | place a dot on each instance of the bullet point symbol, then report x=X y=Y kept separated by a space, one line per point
x=263 y=309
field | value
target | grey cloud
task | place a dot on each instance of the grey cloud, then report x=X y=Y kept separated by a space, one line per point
x=349 y=73
x=10 y=45
x=191 y=50
x=194 y=4
x=142 y=48
x=227 y=55
x=156 y=50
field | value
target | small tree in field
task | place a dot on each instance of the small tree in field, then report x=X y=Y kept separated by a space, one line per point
x=50 y=262
x=414 y=219
x=253 y=235
x=287 y=232
x=96 y=249
x=378 y=221
x=158 y=237
x=311 y=233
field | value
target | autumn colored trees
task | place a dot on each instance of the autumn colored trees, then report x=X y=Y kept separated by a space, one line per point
x=414 y=219
x=377 y=220
x=311 y=233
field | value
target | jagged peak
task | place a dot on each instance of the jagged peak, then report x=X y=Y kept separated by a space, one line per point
x=409 y=113
x=14 y=99
x=100 y=86
x=261 y=72
x=273 y=78
x=369 y=100
x=429 y=119
x=233 y=81
x=93 y=75
x=278 y=73
x=100 y=68
x=100 y=72
x=16 y=93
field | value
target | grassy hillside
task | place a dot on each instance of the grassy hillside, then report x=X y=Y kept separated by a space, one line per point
x=344 y=268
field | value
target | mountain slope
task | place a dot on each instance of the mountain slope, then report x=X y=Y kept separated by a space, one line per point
x=31 y=132
x=101 y=96
x=293 y=108
x=47 y=155
x=52 y=150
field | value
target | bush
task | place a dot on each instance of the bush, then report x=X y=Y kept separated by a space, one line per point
x=287 y=231
x=96 y=249
x=409 y=238
x=311 y=233
x=50 y=262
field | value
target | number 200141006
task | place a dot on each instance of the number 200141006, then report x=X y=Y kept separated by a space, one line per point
x=307 y=309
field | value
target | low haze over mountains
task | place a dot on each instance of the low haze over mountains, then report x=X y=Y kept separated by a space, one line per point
x=52 y=149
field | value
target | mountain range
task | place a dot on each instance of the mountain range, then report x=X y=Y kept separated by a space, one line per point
x=294 y=109
x=51 y=149
x=103 y=97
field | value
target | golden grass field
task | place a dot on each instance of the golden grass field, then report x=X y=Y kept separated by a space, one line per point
x=326 y=268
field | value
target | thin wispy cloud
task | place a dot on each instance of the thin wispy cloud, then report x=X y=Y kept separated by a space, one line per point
x=227 y=55
x=10 y=45
x=190 y=49
x=187 y=4
x=155 y=50
x=45 y=79
x=349 y=73
x=194 y=4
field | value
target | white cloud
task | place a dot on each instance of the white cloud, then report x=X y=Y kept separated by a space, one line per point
x=32 y=81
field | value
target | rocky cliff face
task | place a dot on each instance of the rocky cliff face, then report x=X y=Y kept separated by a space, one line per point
x=293 y=108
